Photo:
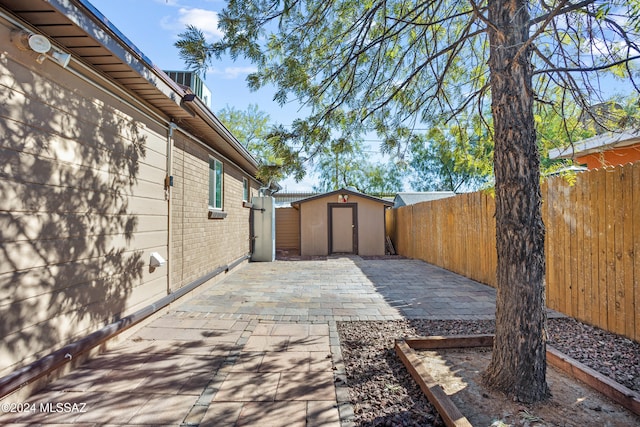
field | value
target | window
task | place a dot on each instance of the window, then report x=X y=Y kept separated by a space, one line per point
x=245 y=189
x=215 y=184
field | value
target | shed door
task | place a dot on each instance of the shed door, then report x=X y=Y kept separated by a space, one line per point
x=343 y=229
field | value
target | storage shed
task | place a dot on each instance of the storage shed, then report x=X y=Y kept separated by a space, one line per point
x=342 y=222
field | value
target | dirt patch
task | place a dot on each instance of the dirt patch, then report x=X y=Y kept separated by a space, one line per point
x=573 y=403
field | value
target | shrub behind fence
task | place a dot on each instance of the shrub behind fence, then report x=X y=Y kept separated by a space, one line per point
x=592 y=243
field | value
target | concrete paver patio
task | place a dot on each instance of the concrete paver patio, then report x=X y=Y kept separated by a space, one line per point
x=257 y=348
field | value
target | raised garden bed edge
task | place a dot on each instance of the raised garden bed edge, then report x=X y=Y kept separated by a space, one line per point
x=452 y=416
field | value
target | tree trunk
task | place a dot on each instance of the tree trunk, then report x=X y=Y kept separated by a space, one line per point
x=518 y=365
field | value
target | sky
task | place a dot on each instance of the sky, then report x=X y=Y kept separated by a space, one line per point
x=153 y=27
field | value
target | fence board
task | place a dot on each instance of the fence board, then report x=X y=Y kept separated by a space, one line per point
x=544 y=190
x=551 y=243
x=597 y=195
x=602 y=251
x=559 y=246
x=437 y=247
x=585 y=255
x=288 y=229
x=591 y=255
x=390 y=223
x=429 y=249
x=610 y=251
x=492 y=253
x=422 y=218
x=636 y=248
x=618 y=296
x=563 y=251
x=572 y=300
x=474 y=238
x=627 y=252
x=455 y=231
x=579 y=250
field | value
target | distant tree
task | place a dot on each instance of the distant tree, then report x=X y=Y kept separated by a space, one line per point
x=630 y=117
x=382 y=178
x=388 y=65
x=453 y=159
x=347 y=164
x=458 y=159
x=250 y=127
x=337 y=165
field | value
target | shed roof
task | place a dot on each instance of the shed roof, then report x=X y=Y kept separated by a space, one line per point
x=342 y=191
x=597 y=144
x=406 y=199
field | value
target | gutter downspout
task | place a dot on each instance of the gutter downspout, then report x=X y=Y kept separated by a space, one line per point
x=168 y=183
x=271 y=187
x=261 y=190
x=252 y=217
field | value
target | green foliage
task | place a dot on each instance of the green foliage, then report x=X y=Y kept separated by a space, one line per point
x=264 y=141
x=194 y=49
x=250 y=127
x=358 y=66
x=346 y=164
x=451 y=159
x=383 y=178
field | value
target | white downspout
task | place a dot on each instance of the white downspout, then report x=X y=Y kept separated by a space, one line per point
x=168 y=183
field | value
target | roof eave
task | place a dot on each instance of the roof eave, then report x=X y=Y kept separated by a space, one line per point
x=76 y=19
x=343 y=191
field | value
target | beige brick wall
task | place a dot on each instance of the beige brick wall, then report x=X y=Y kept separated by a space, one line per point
x=199 y=244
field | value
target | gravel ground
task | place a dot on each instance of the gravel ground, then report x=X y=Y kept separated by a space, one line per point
x=384 y=394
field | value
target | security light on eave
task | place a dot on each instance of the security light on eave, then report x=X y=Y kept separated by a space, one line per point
x=30 y=41
x=38 y=43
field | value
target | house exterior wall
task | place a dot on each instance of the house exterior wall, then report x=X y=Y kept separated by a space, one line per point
x=82 y=207
x=314 y=226
x=617 y=156
x=200 y=244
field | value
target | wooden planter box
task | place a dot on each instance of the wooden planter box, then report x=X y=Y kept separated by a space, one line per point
x=452 y=416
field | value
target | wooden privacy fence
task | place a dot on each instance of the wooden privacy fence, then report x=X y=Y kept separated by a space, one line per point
x=592 y=243
x=288 y=230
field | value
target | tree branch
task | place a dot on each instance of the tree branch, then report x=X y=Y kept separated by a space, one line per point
x=480 y=16
x=539 y=31
x=553 y=13
x=586 y=69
